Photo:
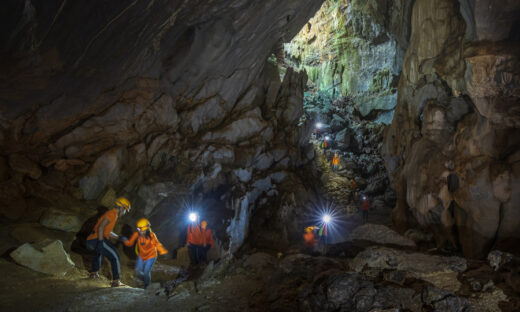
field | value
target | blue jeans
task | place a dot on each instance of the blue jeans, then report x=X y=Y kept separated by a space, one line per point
x=143 y=269
x=109 y=251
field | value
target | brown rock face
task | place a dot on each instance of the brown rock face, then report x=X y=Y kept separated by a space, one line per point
x=128 y=94
x=452 y=149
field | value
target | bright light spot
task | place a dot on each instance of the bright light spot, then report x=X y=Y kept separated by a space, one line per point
x=326 y=218
x=327 y=137
x=319 y=125
x=193 y=217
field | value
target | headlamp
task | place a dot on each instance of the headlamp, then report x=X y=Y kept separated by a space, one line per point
x=326 y=218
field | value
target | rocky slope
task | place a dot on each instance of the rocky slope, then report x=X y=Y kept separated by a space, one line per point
x=452 y=150
x=167 y=102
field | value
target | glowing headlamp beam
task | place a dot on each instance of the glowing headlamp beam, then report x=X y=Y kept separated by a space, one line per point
x=193 y=217
x=326 y=218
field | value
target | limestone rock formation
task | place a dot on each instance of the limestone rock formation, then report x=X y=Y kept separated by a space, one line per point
x=355 y=48
x=452 y=149
x=61 y=220
x=161 y=101
x=52 y=259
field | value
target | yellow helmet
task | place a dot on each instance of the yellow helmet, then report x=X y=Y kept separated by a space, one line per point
x=310 y=229
x=123 y=202
x=204 y=224
x=143 y=224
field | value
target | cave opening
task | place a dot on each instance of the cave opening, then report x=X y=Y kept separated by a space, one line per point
x=332 y=155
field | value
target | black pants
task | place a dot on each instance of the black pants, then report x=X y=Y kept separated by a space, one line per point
x=365 y=216
x=109 y=251
x=198 y=253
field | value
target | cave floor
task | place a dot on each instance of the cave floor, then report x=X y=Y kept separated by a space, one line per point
x=255 y=282
x=265 y=281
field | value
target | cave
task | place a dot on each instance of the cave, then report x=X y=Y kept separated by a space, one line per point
x=297 y=155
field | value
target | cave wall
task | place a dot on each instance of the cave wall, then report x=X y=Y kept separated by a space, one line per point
x=155 y=100
x=452 y=150
x=355 y=48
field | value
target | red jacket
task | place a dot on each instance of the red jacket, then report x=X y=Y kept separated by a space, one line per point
x=365 y=205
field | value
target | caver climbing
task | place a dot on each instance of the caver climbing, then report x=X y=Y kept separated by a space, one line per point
x=146 y=248
x=98 y=240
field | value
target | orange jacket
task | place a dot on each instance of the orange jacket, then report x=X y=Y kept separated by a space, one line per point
x=310 y=239
x=111 y=216
x=199 y=236
x=352 y=184
x=335 y=161
x=146 y=246
x=194 y=235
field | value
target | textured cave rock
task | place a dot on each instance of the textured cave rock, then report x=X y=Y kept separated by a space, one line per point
x=356 y=48
x=157 y=100
x=452 y=149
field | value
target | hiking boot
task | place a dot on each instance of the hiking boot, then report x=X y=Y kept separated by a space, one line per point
x=117 y=283
x=94 y=275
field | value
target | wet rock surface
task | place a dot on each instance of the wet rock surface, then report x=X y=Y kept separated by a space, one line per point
x=444 y=151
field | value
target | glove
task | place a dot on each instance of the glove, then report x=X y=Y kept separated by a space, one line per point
x=99 y=246
x=123 y=238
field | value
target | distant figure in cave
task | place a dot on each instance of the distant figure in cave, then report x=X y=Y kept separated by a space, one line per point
x=324 y=144
x=146 y=248
x=322 y=238
x=352 y=185
x=365 y=208
x=98 y=241
x=309 y=238
x=199 y=242
x=335 y=162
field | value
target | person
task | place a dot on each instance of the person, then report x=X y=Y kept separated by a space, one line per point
x=322 y=238
x=207 y=242
x=352 y=184
x=146 y=248
x=324 y=145
x=309 y=239
x=365 y=207
x=194 y=241
x=335 y=162
x=98 y=241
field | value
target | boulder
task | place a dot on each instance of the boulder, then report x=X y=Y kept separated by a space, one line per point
x=52 y=259
x=380 y=234
x=440 y=271
x=57 y=219
x=498 y=258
